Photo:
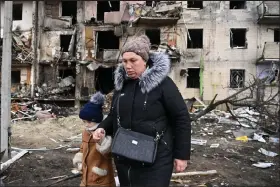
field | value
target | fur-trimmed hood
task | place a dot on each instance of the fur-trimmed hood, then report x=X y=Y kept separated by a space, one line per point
x=151 y=78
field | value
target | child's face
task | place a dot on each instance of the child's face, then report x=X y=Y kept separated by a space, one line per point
x=89 y=124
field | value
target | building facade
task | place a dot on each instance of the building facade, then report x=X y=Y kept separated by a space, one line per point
x=216 y=47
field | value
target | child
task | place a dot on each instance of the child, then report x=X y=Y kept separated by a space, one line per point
x=94 y=159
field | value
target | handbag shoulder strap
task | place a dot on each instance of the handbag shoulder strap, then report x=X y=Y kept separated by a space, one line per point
x=118 y=110
x=158 y=135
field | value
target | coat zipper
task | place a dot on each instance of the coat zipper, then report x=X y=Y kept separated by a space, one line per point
x=133 y=97
x=128 y=171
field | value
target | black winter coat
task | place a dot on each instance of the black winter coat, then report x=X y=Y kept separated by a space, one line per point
x=151 y=101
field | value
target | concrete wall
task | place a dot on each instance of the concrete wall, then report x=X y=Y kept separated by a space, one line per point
x=110 y=17
x=216 y=20
x=50 y=44
x=26 y=22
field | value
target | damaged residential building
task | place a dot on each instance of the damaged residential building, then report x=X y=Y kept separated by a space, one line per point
x=214 y=46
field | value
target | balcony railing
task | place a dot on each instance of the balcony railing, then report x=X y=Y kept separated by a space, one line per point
x=268 y=12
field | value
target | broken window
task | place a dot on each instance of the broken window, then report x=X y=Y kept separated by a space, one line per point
x=15 y=77
x=149 y=3
x=104 y=79
x=17 y=12
x=193 y=78
x=237 y=78
x=69 y=8
x=195 y=4
x=237 y=4
x=65 y=42
x=154 y=36
x=276 y=35
x=63 y=73
x=238 y=38
x=107 y=40
x=195 y=38
x=106 y=6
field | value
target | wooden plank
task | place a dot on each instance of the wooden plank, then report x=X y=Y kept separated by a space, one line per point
x=28 y=80
x=89 y=38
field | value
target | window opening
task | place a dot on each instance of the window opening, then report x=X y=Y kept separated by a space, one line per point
x=63 y=73
x=69 y=8
x=17 y=12
x=193 y=80
x=195 y=4
x=15 y=77
x=104 y=80
x=238 y=38
x=237 y=4
x=195 y=38
x=106 y=6
x=154 y=36
x=65 y=42
x=276 y=35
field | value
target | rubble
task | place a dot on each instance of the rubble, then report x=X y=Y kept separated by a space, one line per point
x=191 y=173
x=273 y=140
x=32 y=110
x=244 y=116
x=7 y=164
x=258 y=138
x=63 y=89
x=198 y=142
x=267 y=153
x=22 y=47
x=263 y=165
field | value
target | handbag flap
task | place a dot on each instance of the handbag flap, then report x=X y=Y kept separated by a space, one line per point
x=134 y=145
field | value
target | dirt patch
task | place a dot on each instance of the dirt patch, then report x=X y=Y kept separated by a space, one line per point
x=33 y=169
x=232 y=159
x=48 y=133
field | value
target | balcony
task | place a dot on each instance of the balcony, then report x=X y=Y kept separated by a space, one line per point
x=270 y=53
x=268 y=12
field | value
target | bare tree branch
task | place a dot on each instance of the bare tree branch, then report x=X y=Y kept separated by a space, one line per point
x=257 y=96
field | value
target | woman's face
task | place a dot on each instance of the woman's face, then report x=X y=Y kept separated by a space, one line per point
x=134 y=64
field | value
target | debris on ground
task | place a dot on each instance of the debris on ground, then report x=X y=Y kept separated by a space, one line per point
x=267 y=153
x=258 y=138
x=191 y=173
x=198 y=142
x=219 y=155
x=7 y=164
x=273 y=140
x=263 y=165
x=30 y=111
x=242 y=138
x=216 y=145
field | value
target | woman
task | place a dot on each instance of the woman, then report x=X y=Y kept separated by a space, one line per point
x=148 y=96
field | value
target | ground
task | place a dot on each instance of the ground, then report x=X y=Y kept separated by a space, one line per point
x=232 y=159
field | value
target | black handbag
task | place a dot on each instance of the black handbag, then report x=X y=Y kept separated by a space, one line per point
x=134 y=145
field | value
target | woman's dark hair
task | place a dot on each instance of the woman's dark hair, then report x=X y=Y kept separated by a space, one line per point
x=150 y=63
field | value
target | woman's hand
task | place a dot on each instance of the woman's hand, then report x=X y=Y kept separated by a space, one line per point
x=180 y=165
x=98 y=134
